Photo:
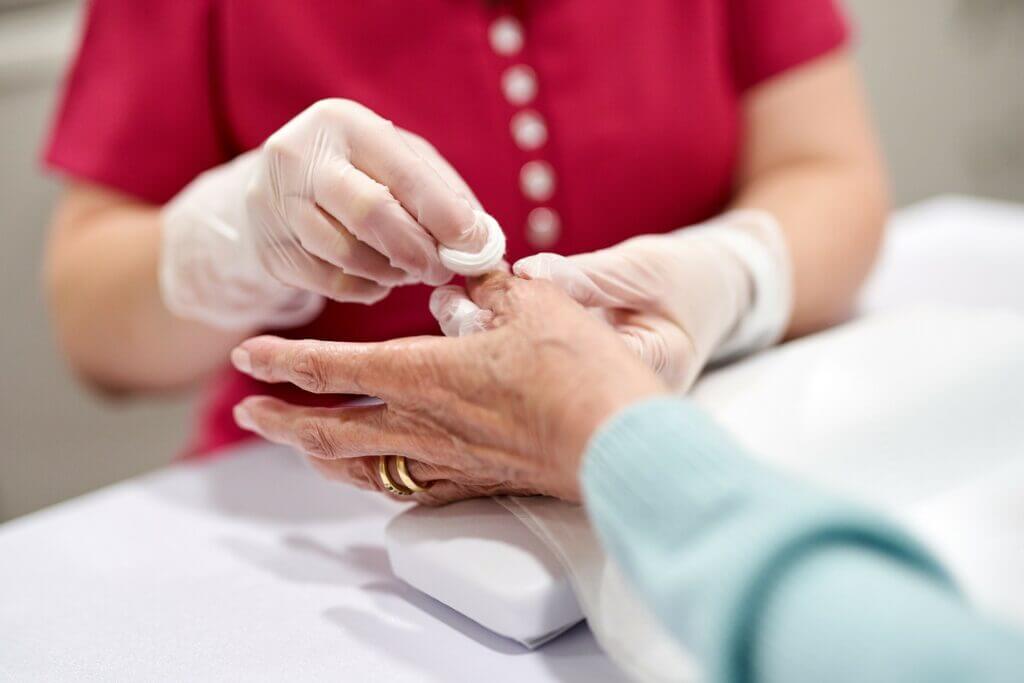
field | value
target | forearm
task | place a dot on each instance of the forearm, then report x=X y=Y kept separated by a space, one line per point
x=729 y=556
x=811 y=159
x=847 y=614
x=832 y=214
x=101 y=277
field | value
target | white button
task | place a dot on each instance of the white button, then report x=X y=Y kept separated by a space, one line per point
x=537 y=180
x=528 y=130
x=543 y=227
x=506 y=36
x=519 y=83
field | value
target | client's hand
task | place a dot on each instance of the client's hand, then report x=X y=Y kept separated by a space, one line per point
x=508 y=410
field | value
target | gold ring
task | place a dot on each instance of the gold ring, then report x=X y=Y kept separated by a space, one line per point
x=385 y=478
x=403 y=474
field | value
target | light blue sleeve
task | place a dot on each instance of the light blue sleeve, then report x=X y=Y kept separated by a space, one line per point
x=766 y=579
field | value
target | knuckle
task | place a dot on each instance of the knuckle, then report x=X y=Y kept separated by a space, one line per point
x=316 y=440
x=309 y=370
x=331 y=107
x=499 y=287
x=278 y=147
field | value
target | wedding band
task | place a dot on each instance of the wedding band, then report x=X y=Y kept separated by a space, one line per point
x=385 y=478
x=403 y=474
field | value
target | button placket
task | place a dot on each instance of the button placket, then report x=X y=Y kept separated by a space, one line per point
x=519 y=84
x=506 y=36
x=543 y=227
x=529 y=131
x=537 y=180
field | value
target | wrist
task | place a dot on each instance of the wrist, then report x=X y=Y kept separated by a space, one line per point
x=753 y=241
x=585 y=417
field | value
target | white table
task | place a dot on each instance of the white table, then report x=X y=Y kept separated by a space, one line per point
x=250 y=567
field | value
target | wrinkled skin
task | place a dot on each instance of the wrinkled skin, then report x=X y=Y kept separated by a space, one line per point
x=672 y=298
x=508 y=410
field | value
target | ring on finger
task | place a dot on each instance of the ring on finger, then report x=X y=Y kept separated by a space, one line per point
x=405 y=477
x=385 y=478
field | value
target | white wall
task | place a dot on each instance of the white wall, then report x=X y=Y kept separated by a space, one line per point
x=946 y=80
x=56 y=440
x=947 y=85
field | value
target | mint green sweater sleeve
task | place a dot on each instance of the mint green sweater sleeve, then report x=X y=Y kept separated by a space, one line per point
x=766 y=579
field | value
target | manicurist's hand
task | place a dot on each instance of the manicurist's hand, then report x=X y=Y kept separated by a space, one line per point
x=508 y=410
x=339 y=204
x=679 y=299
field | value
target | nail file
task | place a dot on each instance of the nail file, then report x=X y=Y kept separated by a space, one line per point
x=479 y=262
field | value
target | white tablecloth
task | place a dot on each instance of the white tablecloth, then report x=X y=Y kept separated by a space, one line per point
x=250 y=567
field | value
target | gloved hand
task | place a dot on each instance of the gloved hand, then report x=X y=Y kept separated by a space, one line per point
x=339 y=203
x=712 y=291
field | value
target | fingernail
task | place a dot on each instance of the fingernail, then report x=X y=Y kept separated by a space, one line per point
x=241 y=359
x=243 y=419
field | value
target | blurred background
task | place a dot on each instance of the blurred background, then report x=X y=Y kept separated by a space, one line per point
x=945 y=78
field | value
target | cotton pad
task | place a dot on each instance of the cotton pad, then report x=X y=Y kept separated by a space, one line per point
x=477 y=263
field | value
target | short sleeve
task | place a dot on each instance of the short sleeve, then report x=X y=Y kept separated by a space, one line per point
x=768 y=37
x=138 y=110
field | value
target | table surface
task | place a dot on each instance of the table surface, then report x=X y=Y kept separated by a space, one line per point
x=250 y=564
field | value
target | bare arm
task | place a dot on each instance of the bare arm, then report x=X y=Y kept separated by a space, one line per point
x=101 y=280
x=812 y=160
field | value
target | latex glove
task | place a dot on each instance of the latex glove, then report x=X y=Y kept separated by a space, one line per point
x=708 y=292
x=508 y=410
x=338 y=203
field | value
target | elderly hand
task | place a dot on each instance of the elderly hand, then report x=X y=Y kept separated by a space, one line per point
x=338 y=203
x=508 y=410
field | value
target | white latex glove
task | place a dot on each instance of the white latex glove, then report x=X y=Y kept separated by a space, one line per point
x=339 y=203
x=708 y=292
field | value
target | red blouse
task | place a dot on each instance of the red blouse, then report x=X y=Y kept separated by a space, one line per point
x=578 y=123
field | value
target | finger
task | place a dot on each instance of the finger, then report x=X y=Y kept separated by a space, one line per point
x=451 y=177
x=490 y=291
x=295 y=267
x=381 y=369
x=327 y=433
x=380 y=151
x=358 y=472
x=445 y=492
x=368 y=209
x=364 y=472
x=567 y=275
x=457 y=315
x=323 y=236
x=448 y=491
